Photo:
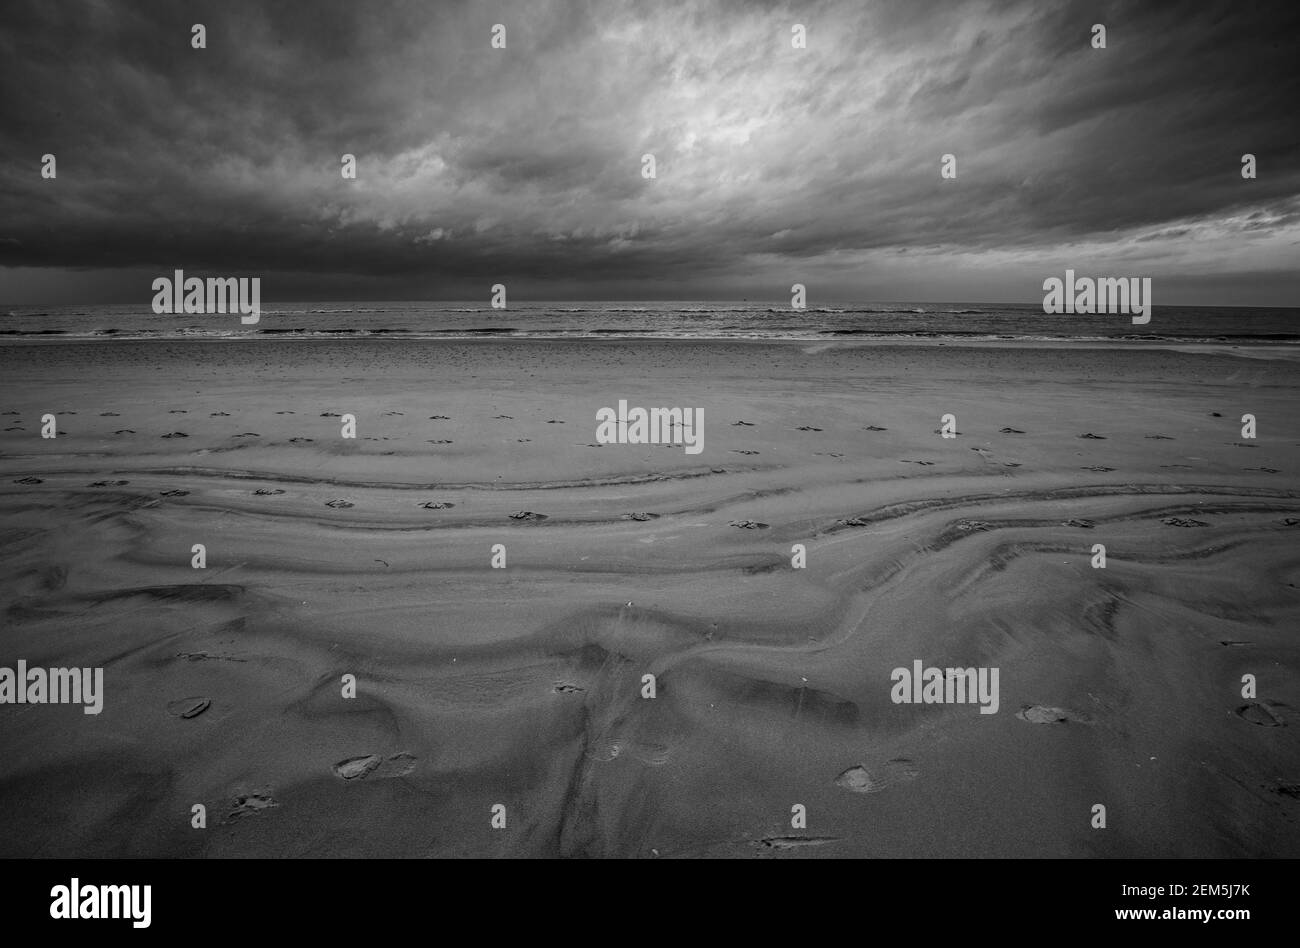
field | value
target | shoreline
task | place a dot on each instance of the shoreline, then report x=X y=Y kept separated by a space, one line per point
x=1278 y=349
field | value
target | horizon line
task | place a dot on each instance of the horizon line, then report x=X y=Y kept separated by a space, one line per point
x=782 y=301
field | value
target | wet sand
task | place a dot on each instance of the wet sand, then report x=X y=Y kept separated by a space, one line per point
x=523 y=686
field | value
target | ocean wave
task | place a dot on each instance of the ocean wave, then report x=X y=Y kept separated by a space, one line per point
x=781 y=332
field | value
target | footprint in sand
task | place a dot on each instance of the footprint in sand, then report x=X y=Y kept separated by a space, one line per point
x=356 y=768
x=1215 y=414
x=988 y=456
x=554 y=422
x=527 y=515
x=860 y=779
x=605 y=750
x=188 y=707
x=339 y=504
x=1092 y=437
x=970 y=526
x=807 y=428
x=1184 y=522
x=219 y=414
x=2 y=413
x=922 y=463
x=437 y=505
x=874 y=428
x=939 y=431
x=793 y=842
x=330 y=414
x=285 y=413
x=1259 y=713
x=178 y=411
x=300 y=440
x=1263 y=470
x=440 y=417
x=109 y=484
x=374 y=766
x=523 y=440
x=640 y=516
x=65 y=413
x=505 y=417
x=124 y=431
x=176 y=434
x=208 y=657
x=389 y=414
x=744 y=452
x=29 y=480
x=1038 y=714
x=749 y=525
x=1291 y=522
x=1098 y=468
x=1010 y=431
x=854 y=522
x=267 y=491
x=1159 y=438
x=1079 y=522
x=251 y=804
x=567 y=688
x=175 y=492
x=826 y=454
x=16 y=428
x=108 y=414
x=742 y=424
x=655 y=755
x=439 y=441
x=1242 y=444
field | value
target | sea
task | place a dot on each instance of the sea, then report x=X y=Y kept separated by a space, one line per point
x=666 y=320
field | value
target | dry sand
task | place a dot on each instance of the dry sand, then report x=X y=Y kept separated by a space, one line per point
x=522 y=686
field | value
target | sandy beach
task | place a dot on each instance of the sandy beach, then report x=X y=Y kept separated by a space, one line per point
x=523 y=685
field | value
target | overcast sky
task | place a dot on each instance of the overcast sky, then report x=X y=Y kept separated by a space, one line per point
x=775 y=165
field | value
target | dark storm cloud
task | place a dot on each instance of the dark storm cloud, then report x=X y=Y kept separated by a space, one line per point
x=477 y=164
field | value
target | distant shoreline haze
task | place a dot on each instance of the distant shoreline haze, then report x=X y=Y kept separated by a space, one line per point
x=740 y=319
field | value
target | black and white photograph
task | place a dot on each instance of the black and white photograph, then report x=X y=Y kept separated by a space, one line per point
x=697 y=429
